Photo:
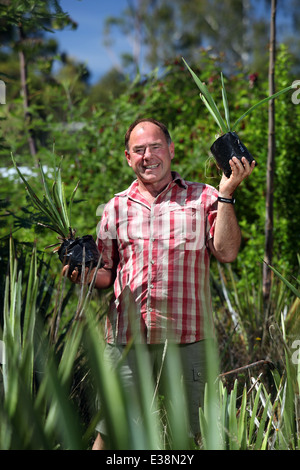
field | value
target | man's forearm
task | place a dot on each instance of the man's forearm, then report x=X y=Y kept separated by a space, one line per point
x=227 y=235
x=104 y=279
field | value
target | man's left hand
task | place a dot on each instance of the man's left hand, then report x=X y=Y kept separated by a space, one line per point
x=239 y=171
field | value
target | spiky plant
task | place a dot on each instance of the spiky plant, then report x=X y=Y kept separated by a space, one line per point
x=55 y=208
x=225 y=124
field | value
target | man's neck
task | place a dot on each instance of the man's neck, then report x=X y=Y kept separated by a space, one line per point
x=151 y=191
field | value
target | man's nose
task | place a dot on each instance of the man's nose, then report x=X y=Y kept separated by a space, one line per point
x=147 y=152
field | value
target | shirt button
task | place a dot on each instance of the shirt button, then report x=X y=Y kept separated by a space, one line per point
x=151 y=286
x=152 y=261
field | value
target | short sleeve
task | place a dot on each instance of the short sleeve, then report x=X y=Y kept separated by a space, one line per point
x=211 y=211
x=107 y=237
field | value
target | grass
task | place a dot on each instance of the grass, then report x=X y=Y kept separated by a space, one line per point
x=50 y=382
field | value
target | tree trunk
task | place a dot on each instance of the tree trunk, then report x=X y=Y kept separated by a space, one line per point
x=25 y=93
x=270 y=163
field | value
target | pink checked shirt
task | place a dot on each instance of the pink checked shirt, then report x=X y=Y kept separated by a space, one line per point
x=161 y=259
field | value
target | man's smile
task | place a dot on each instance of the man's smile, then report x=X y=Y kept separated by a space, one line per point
x=150 y=167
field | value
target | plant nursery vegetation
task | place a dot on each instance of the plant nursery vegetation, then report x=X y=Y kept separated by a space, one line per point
x=51 y=331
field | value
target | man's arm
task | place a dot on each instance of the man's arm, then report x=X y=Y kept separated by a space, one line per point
x=104 y=279
x=227 y=235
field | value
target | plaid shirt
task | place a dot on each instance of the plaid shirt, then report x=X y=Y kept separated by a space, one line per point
x=161 y=259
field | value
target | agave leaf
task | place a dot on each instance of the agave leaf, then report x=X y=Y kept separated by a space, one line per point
x=209 y=108
x=54 y=228
x=62 y=198
x=71 y=200
x=52 y=204
x=260 y=432
x=225 y=103
x=59 y=205
x=232 y=421
x=286 y=282
x=268 y=98
x=212 y=107
x=253 y=414
x=35 y=200
x=210 y=103
x=242 y=422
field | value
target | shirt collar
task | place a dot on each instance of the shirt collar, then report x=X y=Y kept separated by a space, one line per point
x=133 y=187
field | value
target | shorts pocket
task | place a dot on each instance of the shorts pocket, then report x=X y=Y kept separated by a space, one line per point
x=198 y=372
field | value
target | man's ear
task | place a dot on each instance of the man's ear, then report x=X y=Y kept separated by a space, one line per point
x=127 y=155
x=172 y=150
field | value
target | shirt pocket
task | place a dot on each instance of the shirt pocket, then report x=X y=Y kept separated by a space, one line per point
x=184 y=225
x=138 y=220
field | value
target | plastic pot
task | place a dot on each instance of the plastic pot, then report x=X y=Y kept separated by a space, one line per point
x=71 y=252
x=227 y=146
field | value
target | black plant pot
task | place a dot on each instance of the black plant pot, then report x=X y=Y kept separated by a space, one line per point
x=71 y=252
x=226 y=147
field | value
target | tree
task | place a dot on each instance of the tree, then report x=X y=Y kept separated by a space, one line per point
x=23 y=23
x=270 y=162
x=158 y=31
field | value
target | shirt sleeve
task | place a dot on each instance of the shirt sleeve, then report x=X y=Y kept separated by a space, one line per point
x=107 y=237
x=211 y=212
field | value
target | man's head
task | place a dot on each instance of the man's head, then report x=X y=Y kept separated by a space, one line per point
x=141 y=120
x=149 y=151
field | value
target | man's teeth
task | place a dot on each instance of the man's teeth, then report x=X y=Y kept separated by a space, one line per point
x=152 y=166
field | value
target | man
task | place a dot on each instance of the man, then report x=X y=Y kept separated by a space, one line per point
x=156 y=239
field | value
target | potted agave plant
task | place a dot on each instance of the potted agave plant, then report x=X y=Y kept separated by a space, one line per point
x=228 y=144
x=74 y=251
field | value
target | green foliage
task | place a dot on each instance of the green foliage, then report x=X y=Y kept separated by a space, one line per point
x=91 y=141
x=50 y=383
x=54 y=364
x=54 y=205
x=206 y=97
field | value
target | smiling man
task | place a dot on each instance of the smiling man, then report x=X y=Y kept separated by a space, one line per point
x=156 y=239
x=149 y=151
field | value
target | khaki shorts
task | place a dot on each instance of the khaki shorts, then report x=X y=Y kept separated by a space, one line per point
x=193 y=375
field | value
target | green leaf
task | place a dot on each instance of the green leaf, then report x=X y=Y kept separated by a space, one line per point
x=259 y=104
x=209 y=101
x=225 y=103
x=253 y=413
x=286 y=282
x=260 y=432
x=242 y=422
x=233 y=427
x=54 y=206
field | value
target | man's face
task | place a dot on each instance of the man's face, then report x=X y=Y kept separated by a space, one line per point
x=149 y=154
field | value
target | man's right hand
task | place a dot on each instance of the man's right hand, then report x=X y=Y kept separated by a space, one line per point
x=104 y=278
x=76 y=277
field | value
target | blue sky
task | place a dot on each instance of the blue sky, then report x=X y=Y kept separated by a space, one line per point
x=86 y=42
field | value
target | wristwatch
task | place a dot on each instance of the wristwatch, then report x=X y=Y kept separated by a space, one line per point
x=226 y=200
